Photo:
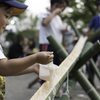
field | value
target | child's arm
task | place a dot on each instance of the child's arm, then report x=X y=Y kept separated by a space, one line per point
x=47 y=20
x=34 y=68
x=14 y=66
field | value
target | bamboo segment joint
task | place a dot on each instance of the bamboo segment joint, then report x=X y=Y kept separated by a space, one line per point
x=90 y=90
x=60 y=50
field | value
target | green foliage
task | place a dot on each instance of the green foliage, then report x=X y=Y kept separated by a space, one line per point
x=83 y=11
x=33 y=24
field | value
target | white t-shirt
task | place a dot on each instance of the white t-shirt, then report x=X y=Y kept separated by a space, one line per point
x=53 y=28
x=2 y=56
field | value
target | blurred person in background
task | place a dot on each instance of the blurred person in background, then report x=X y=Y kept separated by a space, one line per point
x=68 y=40
x=31 y=47
x=94 y=24
x=69 y=35
x=16 y=49
x=65 y=4
x=51 y=24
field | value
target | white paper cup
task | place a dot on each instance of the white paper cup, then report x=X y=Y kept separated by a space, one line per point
x=44 y=72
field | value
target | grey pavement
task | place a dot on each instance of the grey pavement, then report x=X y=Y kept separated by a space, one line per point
x=16 y=88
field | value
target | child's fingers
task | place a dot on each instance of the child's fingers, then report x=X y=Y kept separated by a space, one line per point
x=50 y=53
x=51 y=56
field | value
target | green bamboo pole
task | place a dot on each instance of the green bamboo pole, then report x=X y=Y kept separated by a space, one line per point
x=59 y=49
x=91 y=61
x=90 y=76
x=71 y=86
x=64 y=96
x=62 y=52
x=73 y=26
x=87 y=46
x=95 y=68
x=86 y=56
x=88 y=70
x=91 y=38
x=58 y=85
x=89 y=54
x=89 y=89
x=50 y=93
x=94 y=35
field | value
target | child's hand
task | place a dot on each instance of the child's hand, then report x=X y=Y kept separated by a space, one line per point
x=36 y=68
x=44 y=57
x=57 y=11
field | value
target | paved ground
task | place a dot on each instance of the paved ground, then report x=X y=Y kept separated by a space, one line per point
x=16 y=88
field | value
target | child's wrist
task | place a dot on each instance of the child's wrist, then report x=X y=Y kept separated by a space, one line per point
x=36 y=68
x=36 y=57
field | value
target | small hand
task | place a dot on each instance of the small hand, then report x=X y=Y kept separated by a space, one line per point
x=44 y=57
x=36 y=68
x=57 y=11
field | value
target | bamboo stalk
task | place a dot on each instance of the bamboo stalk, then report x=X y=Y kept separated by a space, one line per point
x=90 y=53
x=71 y=86
x=88 y=44
x=91 y=38
x=59 y=49
x=73 y=26
x=64 y=96
x=86 y=85
x=95 y=68
x=44 y=93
